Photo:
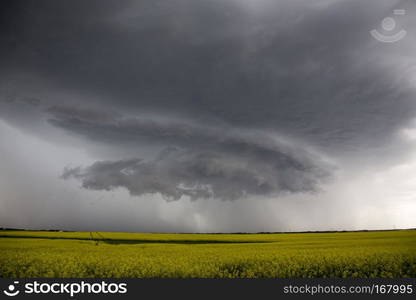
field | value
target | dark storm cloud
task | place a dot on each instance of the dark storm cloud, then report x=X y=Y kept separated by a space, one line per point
x=260 y=101
x=213 y=79
x=203 y=174
x=199 y=162
x=306 y=68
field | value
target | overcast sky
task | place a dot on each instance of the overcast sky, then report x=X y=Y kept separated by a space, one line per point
x=207 y=116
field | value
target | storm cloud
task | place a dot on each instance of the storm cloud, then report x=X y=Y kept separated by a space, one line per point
x=195 y=161
x=287 y=102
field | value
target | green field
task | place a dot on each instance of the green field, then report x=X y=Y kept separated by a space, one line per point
x=73 y=254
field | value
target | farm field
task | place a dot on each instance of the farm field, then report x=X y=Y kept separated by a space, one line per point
x=74 y=254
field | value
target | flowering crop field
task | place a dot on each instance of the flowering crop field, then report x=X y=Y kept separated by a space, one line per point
x=74 y=254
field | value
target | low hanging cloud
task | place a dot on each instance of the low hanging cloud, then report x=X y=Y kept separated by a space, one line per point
x=199 y=161
x=178 y=173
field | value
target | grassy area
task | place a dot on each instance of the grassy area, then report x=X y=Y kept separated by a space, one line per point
x=73 y=254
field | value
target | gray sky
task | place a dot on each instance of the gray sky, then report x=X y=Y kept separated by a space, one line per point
x=207 y=116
